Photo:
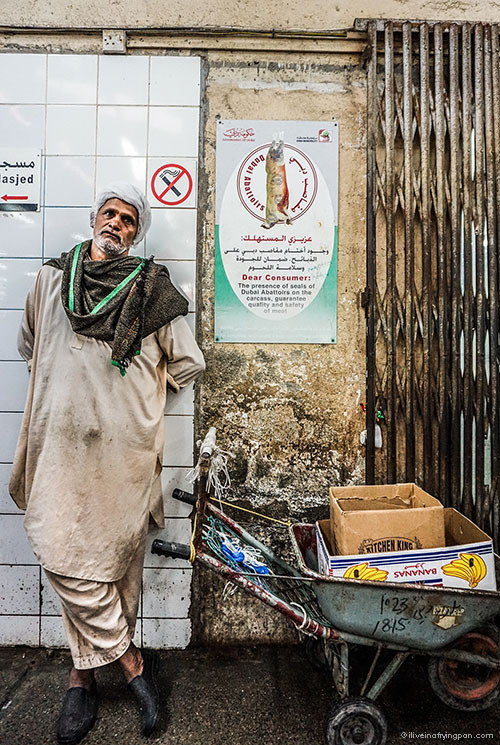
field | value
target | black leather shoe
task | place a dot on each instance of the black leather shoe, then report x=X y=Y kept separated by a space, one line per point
x=78 y=715
x=145 y=690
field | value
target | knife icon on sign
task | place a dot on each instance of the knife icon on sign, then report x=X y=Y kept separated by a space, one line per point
x=164 y=177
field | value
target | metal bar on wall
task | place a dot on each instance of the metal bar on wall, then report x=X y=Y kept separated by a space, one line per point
x=456 y=293
x=425 y=217
x=441 y=247
x=494 y=360
x=391 y=287
x=490 y=344
x=468 y=288
x=480 y=315
x=409 y=251
x=369 y=299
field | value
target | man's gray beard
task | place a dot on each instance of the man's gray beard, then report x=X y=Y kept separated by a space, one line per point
x=109 y=246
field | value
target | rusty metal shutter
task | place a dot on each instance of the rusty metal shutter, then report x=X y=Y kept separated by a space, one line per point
x=433 y=227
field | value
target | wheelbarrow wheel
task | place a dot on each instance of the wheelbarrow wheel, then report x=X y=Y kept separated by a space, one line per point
x=356 y=721
x=464 y=686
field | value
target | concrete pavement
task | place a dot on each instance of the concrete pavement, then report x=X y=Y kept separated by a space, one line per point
x=225 y=696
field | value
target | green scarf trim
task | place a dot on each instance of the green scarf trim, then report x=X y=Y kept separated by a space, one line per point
x=120 y=301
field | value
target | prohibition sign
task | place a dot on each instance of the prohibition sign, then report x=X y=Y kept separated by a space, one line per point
x=171 y=180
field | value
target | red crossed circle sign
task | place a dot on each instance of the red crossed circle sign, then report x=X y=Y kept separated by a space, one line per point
x=172 y=184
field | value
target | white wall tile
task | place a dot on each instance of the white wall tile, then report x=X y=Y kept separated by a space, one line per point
x=175 y=81
x=19 y=630
x=111 y=169
x=177 y=531
x=72 y=78
x=175 y=478
x=10 y=320
x=123 y=80
x=166 y=593
x=173 y=131
x=50 y=605
x=16 y=278
x=70 y=130
x=178 y=450
x=172 y=633
x=183 y=276
x=65 y=227
x=10 y=425
x=14 y=379
x=23 y=126
x=20 y=234
x=19 y=590
x=181 y=402
x=7 y=504
x=22 y=78
x=52 y=633
x=122 y=130
x=69 y=181
x=14 y=545
x=191 y=319
x=172 y=234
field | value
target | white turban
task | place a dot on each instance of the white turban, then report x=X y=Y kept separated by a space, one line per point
x=131 y=195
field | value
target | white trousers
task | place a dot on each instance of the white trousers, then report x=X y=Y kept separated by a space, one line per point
x=100 y=617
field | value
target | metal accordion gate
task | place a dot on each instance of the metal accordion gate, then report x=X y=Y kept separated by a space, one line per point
x=433 y=231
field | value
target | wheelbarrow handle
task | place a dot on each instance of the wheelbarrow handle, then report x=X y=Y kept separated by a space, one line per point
x=184 y=496
x=172 y=550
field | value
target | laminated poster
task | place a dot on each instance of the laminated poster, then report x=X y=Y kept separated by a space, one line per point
x=276 y=232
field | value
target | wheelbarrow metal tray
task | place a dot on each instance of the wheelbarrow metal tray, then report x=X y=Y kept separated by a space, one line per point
x=422 y=618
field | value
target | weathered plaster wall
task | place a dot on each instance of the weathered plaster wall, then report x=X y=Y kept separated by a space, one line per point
x=290 y=414
x=311 y=14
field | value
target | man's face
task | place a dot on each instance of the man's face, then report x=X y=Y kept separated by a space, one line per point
x=115 y=227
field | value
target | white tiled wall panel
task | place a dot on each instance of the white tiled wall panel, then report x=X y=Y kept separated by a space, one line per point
x=72 y=78
x=16 y=278
x=14 y=380
x=174 y=81
x=20 y=630
x=95 y=120
x=9 y=325
x=175 y=478
x=169 y=633
x=23 y=78
x=172 y=234
x=7 y=504
x=19 y=590
x=166 y=593
x=181 y=402
x=21 y=234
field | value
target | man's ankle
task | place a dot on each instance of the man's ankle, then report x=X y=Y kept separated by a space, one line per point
x=81 y=678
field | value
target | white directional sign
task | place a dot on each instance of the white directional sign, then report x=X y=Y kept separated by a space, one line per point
x=19 y=180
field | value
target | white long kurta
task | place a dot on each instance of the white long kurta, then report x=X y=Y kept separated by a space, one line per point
x=88 y=460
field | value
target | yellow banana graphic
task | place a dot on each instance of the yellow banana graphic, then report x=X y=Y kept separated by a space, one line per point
x=363 y=571
x=469 y=567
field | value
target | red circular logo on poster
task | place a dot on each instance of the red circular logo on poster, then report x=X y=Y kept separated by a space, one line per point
x=300 y=174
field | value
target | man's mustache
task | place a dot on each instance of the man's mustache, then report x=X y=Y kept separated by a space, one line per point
x=110 y=232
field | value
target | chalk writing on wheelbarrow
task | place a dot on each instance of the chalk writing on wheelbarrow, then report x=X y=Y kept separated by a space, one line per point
x=401 y=612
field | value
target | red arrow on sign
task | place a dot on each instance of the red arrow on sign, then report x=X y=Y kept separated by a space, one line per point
x=6 y=198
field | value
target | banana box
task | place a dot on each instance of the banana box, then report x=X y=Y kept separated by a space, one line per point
x=466 y=561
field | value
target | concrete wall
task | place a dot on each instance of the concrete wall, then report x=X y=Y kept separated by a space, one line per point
x=312 y=14
x=290 y=414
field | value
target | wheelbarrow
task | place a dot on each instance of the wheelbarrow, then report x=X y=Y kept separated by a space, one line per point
x=453 y=628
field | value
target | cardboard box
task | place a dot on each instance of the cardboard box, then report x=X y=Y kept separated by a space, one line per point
x=465 y=561
x=391 y=517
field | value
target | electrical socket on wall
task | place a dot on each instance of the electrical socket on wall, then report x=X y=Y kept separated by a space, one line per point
x=114 y=42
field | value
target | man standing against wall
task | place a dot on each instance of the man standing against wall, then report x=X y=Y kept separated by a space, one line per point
x=103 y=335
